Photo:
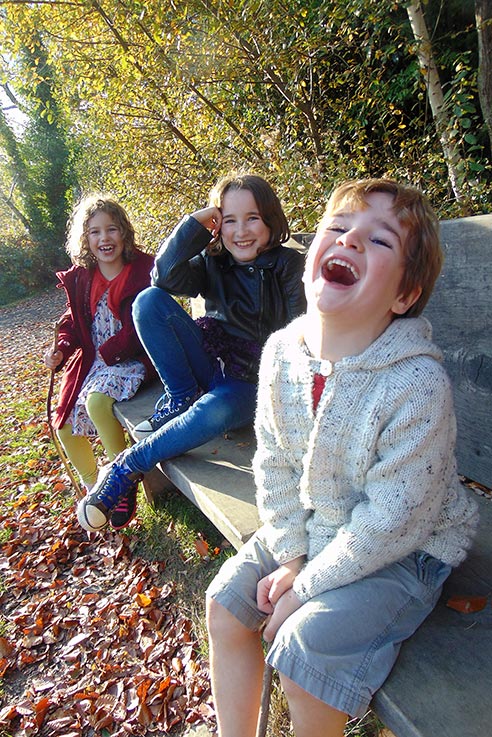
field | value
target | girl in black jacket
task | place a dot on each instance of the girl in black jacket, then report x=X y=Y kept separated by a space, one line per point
x=230 y=253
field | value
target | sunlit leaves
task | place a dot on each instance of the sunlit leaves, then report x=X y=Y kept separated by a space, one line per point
x=92 y=637
x=165 y=97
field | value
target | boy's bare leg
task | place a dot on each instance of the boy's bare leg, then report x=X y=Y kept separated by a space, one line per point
x=236 y=665
x=311 y=717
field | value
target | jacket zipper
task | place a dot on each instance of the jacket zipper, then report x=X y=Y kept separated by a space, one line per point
x=262 y=289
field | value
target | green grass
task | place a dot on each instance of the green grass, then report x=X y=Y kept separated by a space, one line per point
x=168 y=532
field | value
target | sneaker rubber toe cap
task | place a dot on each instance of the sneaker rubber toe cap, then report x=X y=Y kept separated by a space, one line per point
x=90 y=517
x=142 y=430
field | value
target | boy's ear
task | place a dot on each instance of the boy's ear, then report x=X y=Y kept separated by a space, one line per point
x=403 y=304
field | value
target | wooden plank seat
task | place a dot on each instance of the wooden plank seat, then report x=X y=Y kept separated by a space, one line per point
x=440 y=686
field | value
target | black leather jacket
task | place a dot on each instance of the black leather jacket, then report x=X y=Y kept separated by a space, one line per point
x=249 y=301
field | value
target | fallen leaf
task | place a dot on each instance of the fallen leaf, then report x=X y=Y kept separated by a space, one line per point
x=177 y=665
x=202 y=548
x=6 y=647
x=143 y=600
x=467 y=604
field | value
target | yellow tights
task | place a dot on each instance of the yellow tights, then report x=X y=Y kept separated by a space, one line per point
x=79 y=448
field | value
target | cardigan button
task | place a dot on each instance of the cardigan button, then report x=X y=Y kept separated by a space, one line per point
x=326 y=367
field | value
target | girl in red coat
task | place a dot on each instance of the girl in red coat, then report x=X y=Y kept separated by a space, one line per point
x=98 y=349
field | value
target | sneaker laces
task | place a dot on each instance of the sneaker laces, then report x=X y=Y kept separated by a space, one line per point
x=173 y=407
x=126 y=500
x=117 y=483
x=170 y=408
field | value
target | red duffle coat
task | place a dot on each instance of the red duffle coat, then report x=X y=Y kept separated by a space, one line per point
x=74 y=337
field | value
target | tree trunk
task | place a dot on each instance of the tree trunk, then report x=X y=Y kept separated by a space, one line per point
x=434 y=92
x=483 y=15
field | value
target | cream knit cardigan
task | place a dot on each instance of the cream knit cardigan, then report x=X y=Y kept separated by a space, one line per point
x=371 y=476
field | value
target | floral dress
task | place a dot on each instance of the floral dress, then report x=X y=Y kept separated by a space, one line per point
x=120 y=381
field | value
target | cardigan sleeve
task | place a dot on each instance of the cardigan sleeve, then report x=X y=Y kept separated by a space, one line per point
x=402 y=505
x=277 y=472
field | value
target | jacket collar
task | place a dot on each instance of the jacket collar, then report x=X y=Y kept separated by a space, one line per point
x=265 y=260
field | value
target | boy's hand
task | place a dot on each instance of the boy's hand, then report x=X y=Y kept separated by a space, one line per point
x=210 y=218
x=271 y=587
x=52 y=360
x=286 y=605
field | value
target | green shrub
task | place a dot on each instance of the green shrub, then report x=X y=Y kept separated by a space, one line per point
x=22 y=270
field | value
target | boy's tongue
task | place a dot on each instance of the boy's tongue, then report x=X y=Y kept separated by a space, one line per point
x=339 y=274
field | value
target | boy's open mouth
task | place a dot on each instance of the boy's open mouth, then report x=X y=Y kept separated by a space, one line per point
x=340 y=272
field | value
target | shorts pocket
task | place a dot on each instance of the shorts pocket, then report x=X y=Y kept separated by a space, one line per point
x=430 y=571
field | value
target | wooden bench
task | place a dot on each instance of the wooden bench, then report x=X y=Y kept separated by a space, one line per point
x=441 y=684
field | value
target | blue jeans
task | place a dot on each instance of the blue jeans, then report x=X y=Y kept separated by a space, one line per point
x=175 y=345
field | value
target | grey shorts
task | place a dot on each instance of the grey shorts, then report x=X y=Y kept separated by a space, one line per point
x=341 y=645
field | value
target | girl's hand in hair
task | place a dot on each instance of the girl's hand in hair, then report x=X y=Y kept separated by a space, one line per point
x=210 y=218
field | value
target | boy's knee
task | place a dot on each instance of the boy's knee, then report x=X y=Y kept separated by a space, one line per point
x=220 y=622
x=212 y=612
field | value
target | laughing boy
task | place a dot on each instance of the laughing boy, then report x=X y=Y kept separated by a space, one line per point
x=363 y=515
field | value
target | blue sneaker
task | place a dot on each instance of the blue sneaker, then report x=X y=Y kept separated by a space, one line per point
x=95 y=510
x=167 y=409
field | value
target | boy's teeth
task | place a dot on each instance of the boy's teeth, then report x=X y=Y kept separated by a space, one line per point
x=338 y=261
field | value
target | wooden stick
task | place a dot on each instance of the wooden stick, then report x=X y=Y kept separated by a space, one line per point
x=265 y=699
x=78 y=491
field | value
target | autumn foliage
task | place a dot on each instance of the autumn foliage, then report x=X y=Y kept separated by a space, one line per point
x=93 y=640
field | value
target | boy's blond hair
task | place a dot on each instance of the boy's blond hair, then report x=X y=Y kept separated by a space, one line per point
x=422 y=252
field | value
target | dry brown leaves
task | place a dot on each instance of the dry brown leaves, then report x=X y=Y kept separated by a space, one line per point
x=92 y=640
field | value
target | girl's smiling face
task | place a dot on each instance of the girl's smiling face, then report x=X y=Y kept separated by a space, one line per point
x=355 y=264
x=106 y=243
x=243 y=230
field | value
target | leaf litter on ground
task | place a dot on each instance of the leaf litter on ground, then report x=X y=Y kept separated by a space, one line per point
x=93 y=640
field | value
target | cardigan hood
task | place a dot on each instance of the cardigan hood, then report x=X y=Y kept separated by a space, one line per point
x=404 y=338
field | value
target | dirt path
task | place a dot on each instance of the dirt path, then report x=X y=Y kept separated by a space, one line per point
x=28 y=325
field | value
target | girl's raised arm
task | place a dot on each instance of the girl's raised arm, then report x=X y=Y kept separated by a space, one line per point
x=210 y=218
